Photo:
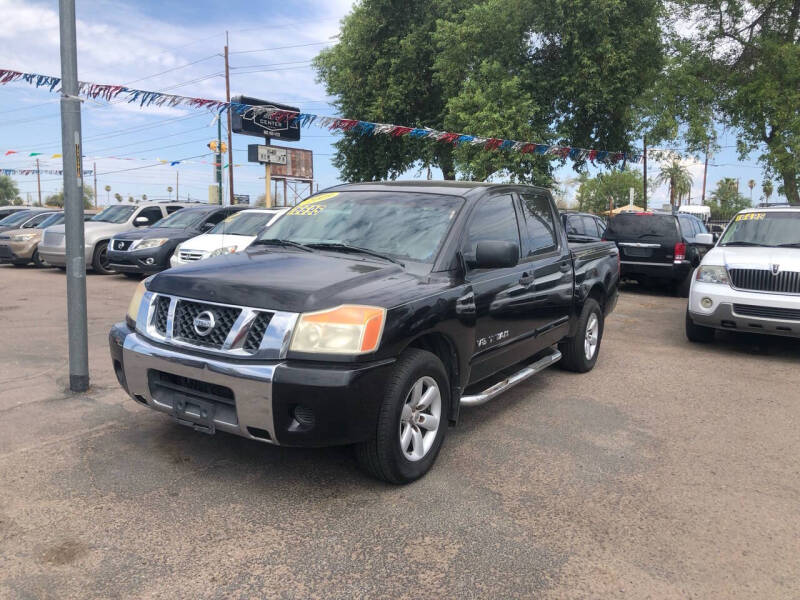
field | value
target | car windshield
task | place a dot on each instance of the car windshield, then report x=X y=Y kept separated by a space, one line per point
x=182 y=219
x=17 y=217
x=244 y=223
x=639 y=226
x=763 y=229
x=405 y=225
x=54 y=219
x=115 y=214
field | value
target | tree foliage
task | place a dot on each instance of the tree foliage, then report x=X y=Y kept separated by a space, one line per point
x=596 y=194
x=725 y=201
x=8 y=190
x=679 y=180
x=57 y=199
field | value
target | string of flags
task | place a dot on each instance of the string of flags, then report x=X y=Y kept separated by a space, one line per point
x=144 y=98
x=38 y=171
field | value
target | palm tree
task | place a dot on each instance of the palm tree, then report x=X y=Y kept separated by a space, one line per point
x=751 y=184
x=677 y=177
x=107 y=189
x=169 y=191
x=766 y=187
x=118 y=197
x=144 y=197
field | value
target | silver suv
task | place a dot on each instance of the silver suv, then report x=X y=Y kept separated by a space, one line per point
x=101 y=228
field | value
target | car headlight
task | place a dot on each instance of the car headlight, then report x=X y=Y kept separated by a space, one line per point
x=223 y=250
x=133 y=307
x=151 y=243
x=23 y=237
x=712 y=274
x=347 y=329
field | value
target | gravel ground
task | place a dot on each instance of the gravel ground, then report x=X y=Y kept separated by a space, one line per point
x=670 y=471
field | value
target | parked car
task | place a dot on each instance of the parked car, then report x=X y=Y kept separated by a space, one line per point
x=21 y=246
x=232 y=235
x=6 y=211
x=751 y=280
x=368 y=314
x=660 y=247
x=113 y=219
x=146 y=251
x=583 y=227
x=25 y=219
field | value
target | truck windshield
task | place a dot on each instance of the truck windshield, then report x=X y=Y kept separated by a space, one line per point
x=115 y=214
x=404 y=225
x=244 y=223
x=763 y=229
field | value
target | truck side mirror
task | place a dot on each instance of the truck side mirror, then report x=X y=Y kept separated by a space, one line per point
x=141 y=221
x=491 y=254
x=706 y=239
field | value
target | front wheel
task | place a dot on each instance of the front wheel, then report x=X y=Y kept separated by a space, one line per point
x=698 y=333
x=579 y=353
x=411 y=422
x=36 y=259
x=100 y=259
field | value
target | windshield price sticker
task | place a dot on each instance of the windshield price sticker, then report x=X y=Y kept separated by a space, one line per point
x=304 y=210
x=751 y=216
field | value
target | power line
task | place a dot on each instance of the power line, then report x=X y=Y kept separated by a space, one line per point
x=296 y=62
x=189 y=64
x=282 y=47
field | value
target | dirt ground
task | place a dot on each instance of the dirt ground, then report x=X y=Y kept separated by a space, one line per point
x=670 y=471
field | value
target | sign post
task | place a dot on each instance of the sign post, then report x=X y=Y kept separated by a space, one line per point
x=268 y=156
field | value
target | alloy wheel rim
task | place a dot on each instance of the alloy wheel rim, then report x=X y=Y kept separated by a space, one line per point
x=591 y=338
x=420 y=418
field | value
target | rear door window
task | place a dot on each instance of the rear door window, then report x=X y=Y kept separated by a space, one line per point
x=540 y=223
x=575 y=226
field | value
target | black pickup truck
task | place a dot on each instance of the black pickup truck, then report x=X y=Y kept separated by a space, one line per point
x=370 y=314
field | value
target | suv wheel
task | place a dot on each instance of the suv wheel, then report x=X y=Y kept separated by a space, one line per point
x=579 y=353
x=100 y=259
x=698 y=333
x=36 y=259
x=412 y=420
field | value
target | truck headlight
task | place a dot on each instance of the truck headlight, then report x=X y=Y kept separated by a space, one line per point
x=347 y=329
x=151 y=243
x=223 y=250
x=133 y=307
x=712 y=274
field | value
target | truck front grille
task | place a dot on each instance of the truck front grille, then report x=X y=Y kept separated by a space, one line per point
x=186 y=330
x=189 y=387
x=257 y=331
x=160 y=314
x=763 y=280
x=766 y=312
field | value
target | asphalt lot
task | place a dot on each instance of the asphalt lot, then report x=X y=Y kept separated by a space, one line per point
x=670 y=471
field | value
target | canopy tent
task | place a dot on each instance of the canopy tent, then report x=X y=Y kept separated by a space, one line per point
x=623 y=209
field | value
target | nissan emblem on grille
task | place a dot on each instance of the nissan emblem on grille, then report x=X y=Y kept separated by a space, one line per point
x=204 y=323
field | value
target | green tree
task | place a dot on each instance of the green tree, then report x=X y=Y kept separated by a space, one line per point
x=746 y=55
x=677 y=177
x=8 y=190
x=118 y=197
x=596 y=194
x=766 y=187
x=57 y=199
x=725 y=200
x=18 y=201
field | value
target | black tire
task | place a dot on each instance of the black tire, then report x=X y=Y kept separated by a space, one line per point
x=36 y=259
x=133 y=275
x=382 y=456
x=698 y=333
x=573 y=353
x=100 y=259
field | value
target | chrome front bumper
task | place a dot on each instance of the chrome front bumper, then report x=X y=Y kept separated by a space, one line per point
x=250 y=417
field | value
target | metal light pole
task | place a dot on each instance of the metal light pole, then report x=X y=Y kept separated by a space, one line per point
x=73 y=202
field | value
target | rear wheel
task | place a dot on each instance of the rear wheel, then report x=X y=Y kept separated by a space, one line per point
x=412 y=420
x=100 y=259
x=579 y=353
x=698 y=333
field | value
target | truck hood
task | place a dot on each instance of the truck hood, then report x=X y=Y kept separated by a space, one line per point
x=146 y=233
x=294 y=281
x=753 y=257
x=212 y=241
x=95 y=230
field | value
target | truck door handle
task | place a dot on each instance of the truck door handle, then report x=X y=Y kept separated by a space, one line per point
x=526 y=279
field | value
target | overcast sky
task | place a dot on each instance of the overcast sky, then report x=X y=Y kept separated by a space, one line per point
x=176 y=46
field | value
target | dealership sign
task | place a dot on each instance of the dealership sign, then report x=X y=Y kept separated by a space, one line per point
x=259 y=121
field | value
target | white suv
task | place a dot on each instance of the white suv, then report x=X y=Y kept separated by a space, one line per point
x=750 y=281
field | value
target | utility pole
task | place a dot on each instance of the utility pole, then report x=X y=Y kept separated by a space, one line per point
x=38 y=182
x=94 y=172
x=230 y=135
x=267 y=182
x=644 y=171
x=705 y=173
x=218 y=157
x=177 y=185
x=71 y=148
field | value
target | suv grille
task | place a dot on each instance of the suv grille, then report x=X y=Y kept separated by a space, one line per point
x=122 y=244
x=184 y=328
x=257 y=331
x=765 y=312
x=160 y=314
x=762 y=280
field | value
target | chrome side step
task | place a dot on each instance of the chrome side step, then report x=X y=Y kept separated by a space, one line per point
x=509 y=382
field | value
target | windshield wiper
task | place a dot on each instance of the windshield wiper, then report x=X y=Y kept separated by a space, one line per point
x=349 y=248
x=789 y=245
x=277 y=242
x=741 y=243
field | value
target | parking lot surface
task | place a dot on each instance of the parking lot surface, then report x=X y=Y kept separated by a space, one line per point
x=670 y=471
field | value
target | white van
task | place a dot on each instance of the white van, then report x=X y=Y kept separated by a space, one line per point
x=231 y=235
x=701 y=212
